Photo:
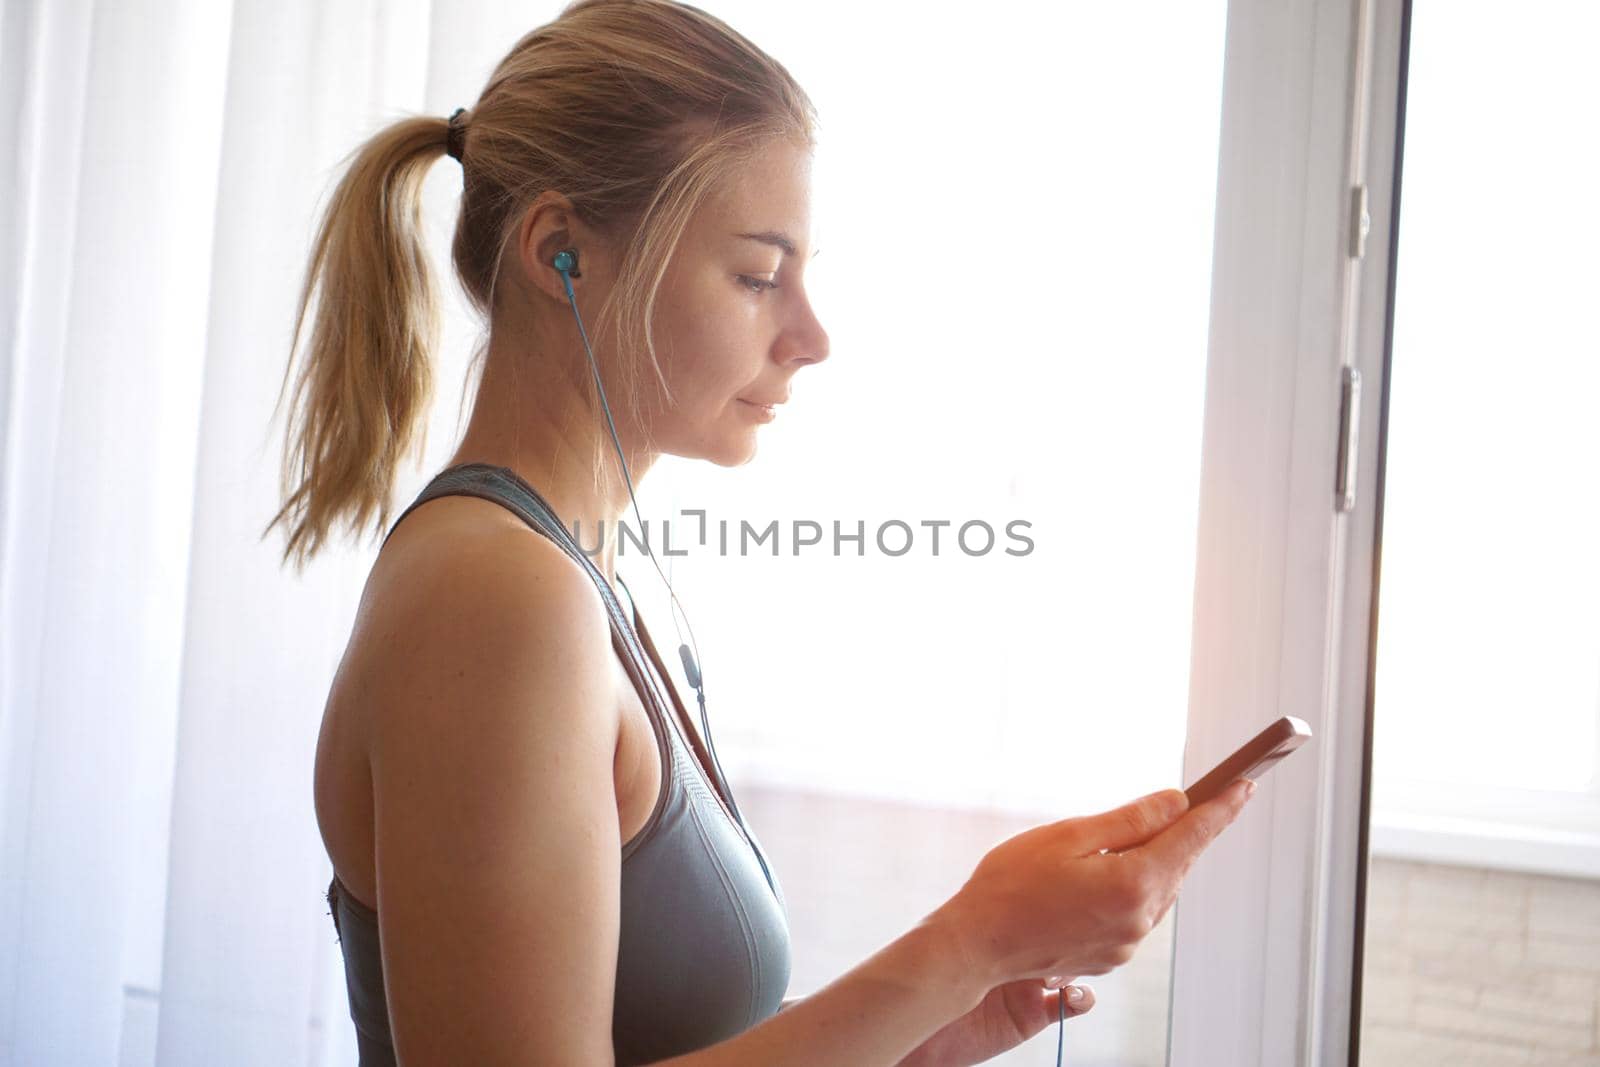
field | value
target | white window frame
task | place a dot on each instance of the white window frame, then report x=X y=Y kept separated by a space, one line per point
x=1264 y=960
x=1497 y=828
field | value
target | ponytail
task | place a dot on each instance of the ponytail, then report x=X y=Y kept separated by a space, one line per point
x=366 y=378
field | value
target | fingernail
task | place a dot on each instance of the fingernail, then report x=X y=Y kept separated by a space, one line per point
x=1055 y=983
x=1249 y=787
x=1074 y=995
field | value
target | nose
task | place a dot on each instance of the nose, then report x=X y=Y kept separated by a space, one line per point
x=808 y=341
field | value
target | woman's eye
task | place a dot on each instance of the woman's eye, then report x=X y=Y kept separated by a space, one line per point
x=756 y=285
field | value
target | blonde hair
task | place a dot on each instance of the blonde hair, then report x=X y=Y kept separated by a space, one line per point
x=635 y=110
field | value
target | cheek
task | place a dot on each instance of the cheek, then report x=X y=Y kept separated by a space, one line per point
x=706 y=340
x=709 y=363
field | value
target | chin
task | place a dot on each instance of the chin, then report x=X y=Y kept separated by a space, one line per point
x=735 y=453
x=728 y=449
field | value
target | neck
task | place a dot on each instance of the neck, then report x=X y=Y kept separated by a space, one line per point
x=541 y=427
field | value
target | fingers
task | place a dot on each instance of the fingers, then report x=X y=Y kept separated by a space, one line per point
x=1074 y=1000
x=1178 y=846
x=1132 y=824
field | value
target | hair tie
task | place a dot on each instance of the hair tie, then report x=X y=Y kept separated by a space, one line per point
x=453 y=140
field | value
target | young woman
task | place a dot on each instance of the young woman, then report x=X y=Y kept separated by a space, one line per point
x=534 y=862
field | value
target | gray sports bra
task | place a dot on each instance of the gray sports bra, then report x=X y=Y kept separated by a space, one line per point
x=703 y=952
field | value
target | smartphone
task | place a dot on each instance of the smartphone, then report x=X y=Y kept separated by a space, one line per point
x=1252 y=759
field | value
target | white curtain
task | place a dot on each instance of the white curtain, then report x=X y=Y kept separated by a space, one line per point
x=162 y=677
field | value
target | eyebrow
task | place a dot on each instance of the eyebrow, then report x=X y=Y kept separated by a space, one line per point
x=778 y=239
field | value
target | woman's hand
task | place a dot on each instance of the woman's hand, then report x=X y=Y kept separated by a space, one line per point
x=1006 y=1017
x=1077 y=896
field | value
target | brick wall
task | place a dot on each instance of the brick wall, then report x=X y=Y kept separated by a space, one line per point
x=1467 y=967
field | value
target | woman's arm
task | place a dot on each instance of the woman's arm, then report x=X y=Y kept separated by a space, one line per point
x=872 y=1016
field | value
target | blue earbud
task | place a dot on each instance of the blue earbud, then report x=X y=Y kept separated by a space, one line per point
x=566 y=262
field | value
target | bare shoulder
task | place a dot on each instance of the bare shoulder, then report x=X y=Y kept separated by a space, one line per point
x=466 y=596
x=492 y=757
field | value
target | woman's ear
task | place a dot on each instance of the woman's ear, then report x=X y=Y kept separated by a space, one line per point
x=549 y=226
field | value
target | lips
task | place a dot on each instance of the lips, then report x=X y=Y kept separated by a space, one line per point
x=764 y=412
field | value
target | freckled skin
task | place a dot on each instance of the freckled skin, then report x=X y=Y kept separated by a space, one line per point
x=726 y=340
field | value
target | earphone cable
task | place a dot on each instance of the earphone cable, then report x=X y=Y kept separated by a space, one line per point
x=1061 y=1018
x=697 y=678
x=595 y=368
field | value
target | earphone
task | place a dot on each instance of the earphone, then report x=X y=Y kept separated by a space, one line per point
x=566 y=261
